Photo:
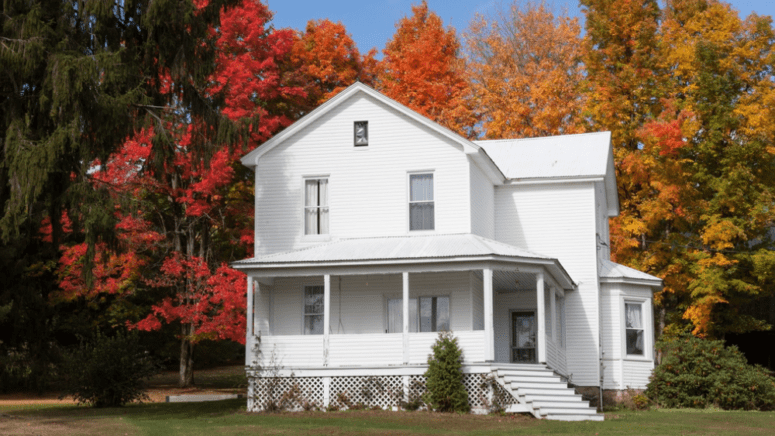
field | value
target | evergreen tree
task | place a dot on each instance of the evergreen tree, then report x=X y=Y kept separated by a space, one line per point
x=446 y=392
x=79 y=77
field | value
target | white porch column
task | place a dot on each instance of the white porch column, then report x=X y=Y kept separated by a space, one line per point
x=489 y=330
x=553 y=304
x=326 y=316
x=249 y=325
x=405 y=318
x=541 y=318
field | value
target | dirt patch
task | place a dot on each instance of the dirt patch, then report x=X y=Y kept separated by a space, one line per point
x=39 y=426
x=223 y=380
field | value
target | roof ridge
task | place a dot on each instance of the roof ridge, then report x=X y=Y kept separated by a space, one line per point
x=477 y=141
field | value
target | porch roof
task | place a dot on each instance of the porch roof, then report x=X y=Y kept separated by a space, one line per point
x=405 y=249
x=614 y=272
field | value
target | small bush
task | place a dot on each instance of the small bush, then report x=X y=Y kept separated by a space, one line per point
x=108 y=371
x=701 y=373
x=446 y=392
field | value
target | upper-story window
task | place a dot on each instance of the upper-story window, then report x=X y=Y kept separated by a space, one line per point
x=361 y=135
x=634 y=331
x=316 y=206
x=421 y=204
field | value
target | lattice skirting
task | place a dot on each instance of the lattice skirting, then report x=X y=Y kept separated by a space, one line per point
x=386 y=392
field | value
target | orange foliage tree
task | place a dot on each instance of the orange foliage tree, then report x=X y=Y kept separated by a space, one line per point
x=324 y=60
x=526 y=72
x=687 y=97
x=422 y=69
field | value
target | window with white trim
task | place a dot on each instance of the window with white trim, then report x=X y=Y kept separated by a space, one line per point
x=313 y=310
x=421 y=204
x=316 y=206
x=635 y=337
x=426 y=314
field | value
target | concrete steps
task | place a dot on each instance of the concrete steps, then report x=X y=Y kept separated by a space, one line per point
x=544 y=394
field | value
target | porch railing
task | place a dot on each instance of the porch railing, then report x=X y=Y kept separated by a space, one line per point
x=303 y=351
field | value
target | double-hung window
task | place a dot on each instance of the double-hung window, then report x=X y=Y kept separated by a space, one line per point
x=426 y=314
x=313 y=310
x=316 y=206
x=421 y=204
x=634 y=331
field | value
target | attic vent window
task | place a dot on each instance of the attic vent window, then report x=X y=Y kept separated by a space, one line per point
x=361 y=133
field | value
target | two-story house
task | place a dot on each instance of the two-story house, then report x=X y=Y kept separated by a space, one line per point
x=376 y=228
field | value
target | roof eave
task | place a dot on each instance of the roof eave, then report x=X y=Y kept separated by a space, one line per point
x=655 y=283
x=558 y=272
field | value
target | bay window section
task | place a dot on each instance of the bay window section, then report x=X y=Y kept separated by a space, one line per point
x=635 y=338
x=421 y=204
x=316 y=206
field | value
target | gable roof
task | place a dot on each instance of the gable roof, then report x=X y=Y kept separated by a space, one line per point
x=480 y=157
x=580 y=156
x=614 y=272
x=405 y=249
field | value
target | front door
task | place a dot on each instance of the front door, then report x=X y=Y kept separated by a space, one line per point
x=523 y=337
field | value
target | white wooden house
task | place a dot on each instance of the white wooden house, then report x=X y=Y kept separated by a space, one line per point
x=376 y=228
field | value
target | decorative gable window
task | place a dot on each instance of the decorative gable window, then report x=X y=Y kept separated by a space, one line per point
x=316 y=206
x=421 y=204
x=633 y=318
x=361 y=133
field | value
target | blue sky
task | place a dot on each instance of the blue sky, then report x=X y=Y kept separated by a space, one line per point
x=372 y=23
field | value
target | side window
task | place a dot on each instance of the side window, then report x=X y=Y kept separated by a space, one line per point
x=426 y=314
x=635 y=337
x=316 y=206
x=421 y=204
x=434 y=314
x=313 y=310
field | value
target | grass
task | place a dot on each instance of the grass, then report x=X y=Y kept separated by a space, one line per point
x=228 y=417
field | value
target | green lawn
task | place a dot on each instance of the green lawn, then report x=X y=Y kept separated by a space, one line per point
x=227 y=417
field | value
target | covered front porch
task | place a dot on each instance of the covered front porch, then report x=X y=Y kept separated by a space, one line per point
x=326 y=309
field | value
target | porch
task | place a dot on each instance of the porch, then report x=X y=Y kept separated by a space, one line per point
x=324 y=307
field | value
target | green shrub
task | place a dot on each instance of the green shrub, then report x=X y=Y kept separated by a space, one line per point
x=701 y=373
x=108 y=371
x=446 y=392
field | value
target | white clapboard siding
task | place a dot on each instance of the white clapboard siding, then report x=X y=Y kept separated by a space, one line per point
x=637 y=373
x=291 y=351
x=612 y=374
x=559 y=220
x=261 y=304
x=477 y=301
x=368 y=186
x=611 y=322
x=601 y=221
x=364 y=350
x=482 y=203
x=555 y=357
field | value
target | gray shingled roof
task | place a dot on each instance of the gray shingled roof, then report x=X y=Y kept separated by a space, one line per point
x=397 y=248
x=582 y=155
x=613 y=270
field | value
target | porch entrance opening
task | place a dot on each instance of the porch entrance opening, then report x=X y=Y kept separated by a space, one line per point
x=523 y=337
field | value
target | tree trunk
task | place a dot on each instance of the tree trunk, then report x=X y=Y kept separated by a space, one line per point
x=186 y=359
